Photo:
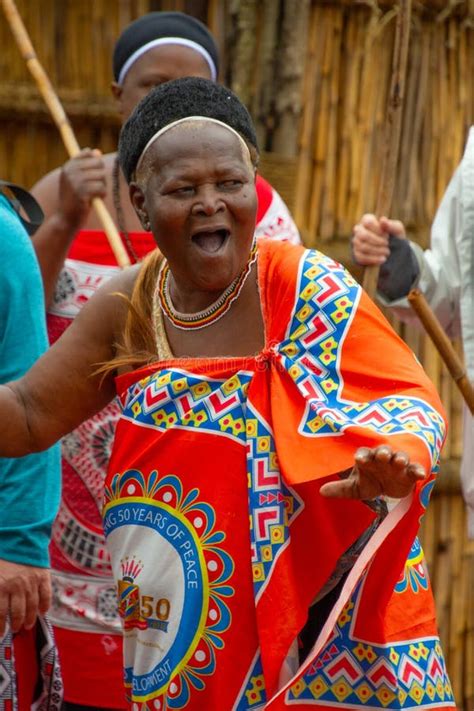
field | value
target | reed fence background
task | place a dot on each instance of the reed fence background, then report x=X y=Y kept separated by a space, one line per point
x=315 y=74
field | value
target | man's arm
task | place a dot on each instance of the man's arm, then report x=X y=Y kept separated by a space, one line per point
x=435 y=271
x=29 y=495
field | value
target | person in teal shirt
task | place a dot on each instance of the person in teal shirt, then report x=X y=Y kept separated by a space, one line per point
x=29 y=495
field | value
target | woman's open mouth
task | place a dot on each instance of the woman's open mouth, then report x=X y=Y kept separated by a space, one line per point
x=212 y=241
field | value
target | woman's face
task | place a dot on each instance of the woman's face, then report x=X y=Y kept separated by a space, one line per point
x=196 y=186
x=155 y=67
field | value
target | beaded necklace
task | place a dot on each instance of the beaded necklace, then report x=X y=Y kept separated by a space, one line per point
x=214 y=312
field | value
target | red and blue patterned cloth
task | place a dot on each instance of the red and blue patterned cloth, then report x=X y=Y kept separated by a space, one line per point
x=220 y=540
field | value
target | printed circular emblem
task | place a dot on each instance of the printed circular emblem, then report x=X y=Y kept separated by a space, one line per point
x=172 y=585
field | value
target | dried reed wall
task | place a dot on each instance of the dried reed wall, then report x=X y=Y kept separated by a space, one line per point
x=315 y=75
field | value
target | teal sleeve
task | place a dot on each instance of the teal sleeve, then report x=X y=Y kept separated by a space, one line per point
x=29 y=486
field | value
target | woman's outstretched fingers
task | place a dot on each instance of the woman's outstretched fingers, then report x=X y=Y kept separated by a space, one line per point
x=363 y=455
x=383 y=454
x=401 y=460
x=416 y=472
x=377 y=472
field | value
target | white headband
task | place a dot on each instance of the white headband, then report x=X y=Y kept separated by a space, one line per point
x=164 y=41
x=183 y=120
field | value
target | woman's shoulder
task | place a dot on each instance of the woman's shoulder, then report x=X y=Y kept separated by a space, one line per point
x=286 y=257
x=286 y=254
x=291 y=271
x=109 y=305
x=46 y=189
x=124 y=280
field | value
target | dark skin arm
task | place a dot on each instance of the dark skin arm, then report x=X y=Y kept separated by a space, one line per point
x=65 y=196
x=60 y=391
x=50 y=400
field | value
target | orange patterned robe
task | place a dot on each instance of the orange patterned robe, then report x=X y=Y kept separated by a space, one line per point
x=220 y=540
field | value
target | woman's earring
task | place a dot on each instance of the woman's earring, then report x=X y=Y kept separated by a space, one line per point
x=146 y=225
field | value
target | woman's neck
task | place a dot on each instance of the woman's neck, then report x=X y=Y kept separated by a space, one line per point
x=191 y=301
x=240 y=332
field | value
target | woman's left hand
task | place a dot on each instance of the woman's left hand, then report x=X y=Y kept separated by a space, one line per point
x=377 y=471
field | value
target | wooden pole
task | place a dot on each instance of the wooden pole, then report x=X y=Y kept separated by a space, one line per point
x=443 y=345
x=393 y=130
x=60 y=119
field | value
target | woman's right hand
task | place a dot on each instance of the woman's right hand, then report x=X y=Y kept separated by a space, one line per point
x=377 y=472
x=81 y=179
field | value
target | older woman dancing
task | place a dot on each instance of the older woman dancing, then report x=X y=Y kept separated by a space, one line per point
x=268 y=410
x=75 y=260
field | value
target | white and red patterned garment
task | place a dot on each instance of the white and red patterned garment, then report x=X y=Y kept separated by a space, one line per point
x=84 y=612
x=38 y=687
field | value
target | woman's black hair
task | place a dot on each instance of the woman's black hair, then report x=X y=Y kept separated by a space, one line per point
x=178 y=99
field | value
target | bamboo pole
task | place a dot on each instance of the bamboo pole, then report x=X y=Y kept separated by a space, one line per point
x=60 y=119
x=394 y=122
x=443 y=345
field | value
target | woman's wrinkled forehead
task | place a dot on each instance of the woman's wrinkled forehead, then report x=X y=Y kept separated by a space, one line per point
x=188 y=123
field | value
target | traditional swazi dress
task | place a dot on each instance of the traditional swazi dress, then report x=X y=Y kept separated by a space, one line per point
x=220 y=541
x=84 y=611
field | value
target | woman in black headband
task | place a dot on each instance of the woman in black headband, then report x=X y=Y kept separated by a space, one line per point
x=257 y=563
x=76 y=259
